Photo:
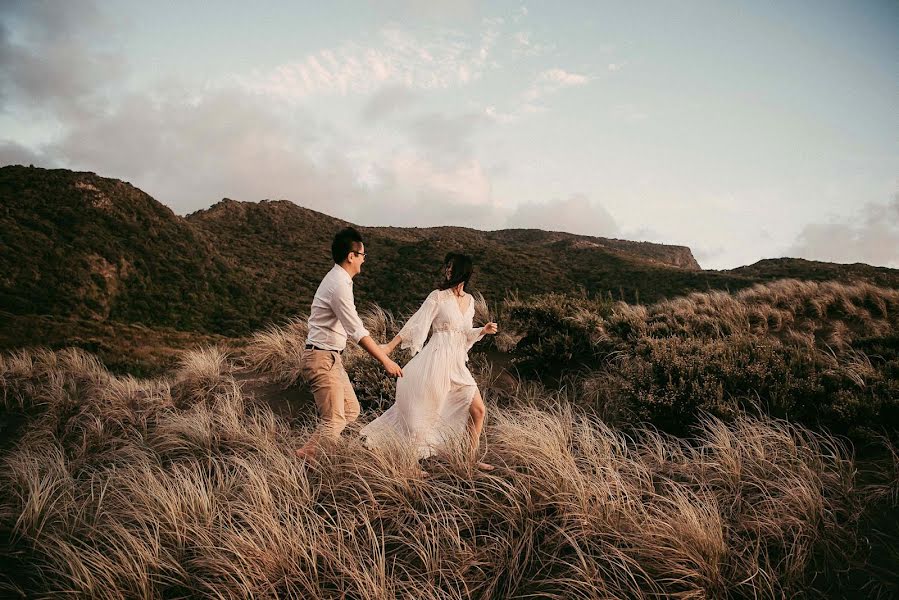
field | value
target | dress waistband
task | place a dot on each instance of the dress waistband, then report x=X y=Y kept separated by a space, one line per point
x=447 y=329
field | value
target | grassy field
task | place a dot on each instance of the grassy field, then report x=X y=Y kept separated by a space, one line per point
x=124 y=348
x=184 y=484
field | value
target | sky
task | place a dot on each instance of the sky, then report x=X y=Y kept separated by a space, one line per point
x=743 y=130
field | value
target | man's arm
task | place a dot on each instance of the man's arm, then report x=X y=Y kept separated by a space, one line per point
x=375 y=350
x=345 y=308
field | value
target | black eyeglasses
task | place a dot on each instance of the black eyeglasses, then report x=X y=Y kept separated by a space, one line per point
x=360 y=253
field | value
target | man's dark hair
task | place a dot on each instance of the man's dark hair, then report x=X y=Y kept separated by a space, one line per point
x=460 y=268
x=345 y=241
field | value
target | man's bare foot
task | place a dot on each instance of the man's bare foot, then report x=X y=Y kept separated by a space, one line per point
x=485 y=466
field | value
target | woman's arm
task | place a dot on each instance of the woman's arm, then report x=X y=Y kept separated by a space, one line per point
x=476 y=333
x=391 y=345
x=414 y=333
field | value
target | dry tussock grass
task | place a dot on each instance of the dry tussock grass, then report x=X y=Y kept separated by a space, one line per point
x=825 y=354
x=173 y=487
x=831 y=313
x=276 y=352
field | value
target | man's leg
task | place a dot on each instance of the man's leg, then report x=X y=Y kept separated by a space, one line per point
x=350 y=401
x=323 y=376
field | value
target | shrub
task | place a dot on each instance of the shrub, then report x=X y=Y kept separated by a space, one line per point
x=556 y=333
x=824 y=354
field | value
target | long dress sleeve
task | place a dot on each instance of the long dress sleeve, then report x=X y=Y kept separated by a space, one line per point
x=415 y=331
x=473 y=335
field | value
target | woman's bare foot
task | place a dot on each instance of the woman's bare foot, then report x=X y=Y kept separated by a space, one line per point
x=424 y=474
x=485 y=466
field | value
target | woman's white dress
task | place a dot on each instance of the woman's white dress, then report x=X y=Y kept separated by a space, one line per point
x=436 y=390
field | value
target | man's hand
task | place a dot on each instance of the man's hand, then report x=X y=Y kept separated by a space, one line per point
x=393 y=369
x=490 y=328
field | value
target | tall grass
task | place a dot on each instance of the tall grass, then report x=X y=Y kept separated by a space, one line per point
x=824 y=354
x=801 y=312
x=177 y=487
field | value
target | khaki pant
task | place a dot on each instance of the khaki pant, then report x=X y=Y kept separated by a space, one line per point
x=334 y=396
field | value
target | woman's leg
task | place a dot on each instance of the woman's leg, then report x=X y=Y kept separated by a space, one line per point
x=477 y=412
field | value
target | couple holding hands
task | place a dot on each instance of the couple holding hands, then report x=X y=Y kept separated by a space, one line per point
x=437 y=399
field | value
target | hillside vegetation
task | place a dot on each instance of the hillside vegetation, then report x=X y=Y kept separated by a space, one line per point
x=78 y=246
x=824 y=354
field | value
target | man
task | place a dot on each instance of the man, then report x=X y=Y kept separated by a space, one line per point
x=333 y=317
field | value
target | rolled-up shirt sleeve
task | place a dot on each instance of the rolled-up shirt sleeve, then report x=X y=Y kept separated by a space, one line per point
x=344 y=306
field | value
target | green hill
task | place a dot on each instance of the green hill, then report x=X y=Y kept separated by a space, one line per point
x=81 y=248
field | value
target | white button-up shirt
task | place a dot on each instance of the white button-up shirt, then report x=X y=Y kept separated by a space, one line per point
x=333 y=316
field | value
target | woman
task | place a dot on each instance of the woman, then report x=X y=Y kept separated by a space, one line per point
x=437 y=397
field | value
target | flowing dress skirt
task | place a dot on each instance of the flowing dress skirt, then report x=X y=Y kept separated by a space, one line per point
x=432 y=398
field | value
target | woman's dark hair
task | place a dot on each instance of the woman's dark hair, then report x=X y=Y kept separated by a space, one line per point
x=456 y=269
x=345 y=242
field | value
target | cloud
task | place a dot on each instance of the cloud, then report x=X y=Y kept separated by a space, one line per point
x=575 y=214
x=467 y=184
x=515 y=114
x=526 y=46
x=189 y=145
x=189 y=151
x=12 y=153
x=446 y=139
x=544 y=84
x=562 y=78
x=551 y=81
x=50 y=59
x=414 y=192
x=437 y=10
x=387 y=101
x=707 y=254
x=398 y=58
x=871 y=237
x=628 y=113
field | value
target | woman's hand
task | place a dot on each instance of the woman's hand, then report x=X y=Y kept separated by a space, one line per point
x=391 y=345
x=490 y=329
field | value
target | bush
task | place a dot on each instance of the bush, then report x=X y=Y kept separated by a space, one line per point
x=554 y=333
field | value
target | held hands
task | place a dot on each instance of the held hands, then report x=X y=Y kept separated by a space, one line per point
x=391 y=345
x=378 y=352
x=490 y=328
